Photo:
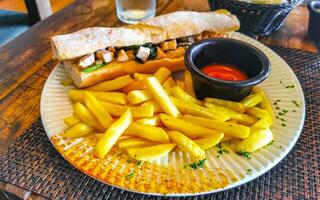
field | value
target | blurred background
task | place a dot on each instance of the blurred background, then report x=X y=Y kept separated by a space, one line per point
x=16 y=16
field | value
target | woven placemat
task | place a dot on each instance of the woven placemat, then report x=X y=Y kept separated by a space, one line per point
x=32 y=162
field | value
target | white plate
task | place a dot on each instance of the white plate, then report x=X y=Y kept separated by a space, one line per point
x=169 y=175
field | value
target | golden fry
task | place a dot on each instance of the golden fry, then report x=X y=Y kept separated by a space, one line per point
x=112 y=85
x=150 y=153
x=180 y=84
x=265 y=103
x=209 y=141
x=257 y=112
x=251 y=100
x=160 y=96
x=135 y=142
x=137 y=112
x=197 y=110
x=189 y=129
x=156 y=106
x=83 y=113
x=169 y=83
x=187 y=145
x=179 y=93
x=112 y=134
x=162 y=74
x=112 y=97
x=71 y=121
x=138 y=96
x=188 y=83
x=151 y=133
x=78 y=130
x=240 y=117
x=262 y=123
x=255 y=141
x=139 y=77
x=234 y=130
x=97 y=110
x=236 y=106
x=150 y=121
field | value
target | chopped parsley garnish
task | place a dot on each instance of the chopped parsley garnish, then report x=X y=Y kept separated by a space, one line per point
x=283 y=124
x=270 y=143
x=139 y=162
x=296 y=103
x=278 y=108
x=290 y=86
x=244 y=154
x=129 y=176
x=249 y=171
x=196 y=165
x=129 y=161
x=221 y=150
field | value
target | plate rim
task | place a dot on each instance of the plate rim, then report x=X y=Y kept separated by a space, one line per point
x=240 y=182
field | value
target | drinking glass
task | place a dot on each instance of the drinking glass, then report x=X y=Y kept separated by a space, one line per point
x=134 y=11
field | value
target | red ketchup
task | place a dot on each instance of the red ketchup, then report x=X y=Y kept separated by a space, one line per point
x=224 y=72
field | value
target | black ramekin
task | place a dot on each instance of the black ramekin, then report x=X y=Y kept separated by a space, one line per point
x=314 y=20
x=226 y=51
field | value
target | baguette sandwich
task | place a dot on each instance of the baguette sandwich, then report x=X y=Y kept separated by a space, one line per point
x=93 y=55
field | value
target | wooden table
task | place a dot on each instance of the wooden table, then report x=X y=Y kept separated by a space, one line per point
x=25 y=62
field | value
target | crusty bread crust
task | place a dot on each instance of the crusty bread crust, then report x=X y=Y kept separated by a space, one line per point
x=155 y=30
x=115 y=69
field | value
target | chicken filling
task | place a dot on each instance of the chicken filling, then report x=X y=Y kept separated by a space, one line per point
x=141 y=53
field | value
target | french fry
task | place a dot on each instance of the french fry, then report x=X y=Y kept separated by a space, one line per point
x=188 y=83
x=179 y=93
x=97 y=110
x=187 y=145
x=139 y=77
x=197 y=110
x=189 y=129
x=209 y=141
x=150 y=153
x=262 y=123
x=112 y=85
x=112 y=97
x=112 y=134
x=150 y=121
x=162 y=74
x=168 y=83
x=137 y=112
x=251 y=100
x=135 y=142
x=227 y=138
x=255 y=141
x=180 y=84
x=160 y=96
x=151 y=133
x=265 y=103
x=78 y=130
x=227 y=128
x=240 y=117
x=236 y=106
x=155 y=105
x=257 y=112
x=71 y=121
x=137 y=85
x=83 y=113
x=138 y=96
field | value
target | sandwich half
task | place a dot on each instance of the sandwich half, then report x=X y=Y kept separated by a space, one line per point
x=93 y=55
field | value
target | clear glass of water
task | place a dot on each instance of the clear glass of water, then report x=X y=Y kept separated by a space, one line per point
x=134 y=11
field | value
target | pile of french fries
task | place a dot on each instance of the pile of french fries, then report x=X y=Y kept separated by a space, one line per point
x=148 y=115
